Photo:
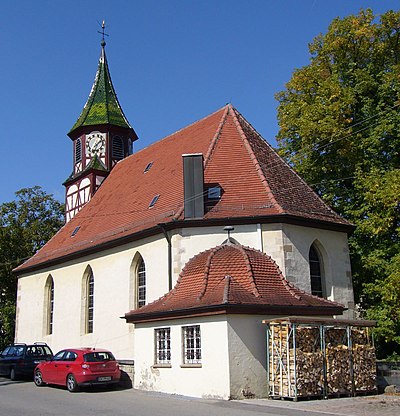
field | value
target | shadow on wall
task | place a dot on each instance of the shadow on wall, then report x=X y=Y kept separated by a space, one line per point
x=127 y=368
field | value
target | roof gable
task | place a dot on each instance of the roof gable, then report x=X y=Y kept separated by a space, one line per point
x=236 y=158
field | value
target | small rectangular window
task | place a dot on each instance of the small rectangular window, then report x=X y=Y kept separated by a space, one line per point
x=191 y=344
x=75 y=230
x=148 y=167
x=214 y=193
x=153 y=201
x=162 y=346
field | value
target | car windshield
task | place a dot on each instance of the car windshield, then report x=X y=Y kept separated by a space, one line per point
x=98 y=356
x=16 y=351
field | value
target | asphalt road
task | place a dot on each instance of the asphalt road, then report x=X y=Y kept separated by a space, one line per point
x=23 y=398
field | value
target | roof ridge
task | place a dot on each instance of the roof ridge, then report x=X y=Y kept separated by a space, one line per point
x=281 y=160
x=207 y=271
x=250 y=273
x=253 y=157
x=106 y=69
x=214 y=140
x=288 y=285
x=227 y=287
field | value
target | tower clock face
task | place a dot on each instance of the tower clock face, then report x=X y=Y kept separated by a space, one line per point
x=95 y=144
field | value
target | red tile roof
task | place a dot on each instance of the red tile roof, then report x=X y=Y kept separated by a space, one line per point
x=233 y=278
x=256 y=183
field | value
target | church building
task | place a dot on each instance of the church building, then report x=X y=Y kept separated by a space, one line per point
x=173 y=255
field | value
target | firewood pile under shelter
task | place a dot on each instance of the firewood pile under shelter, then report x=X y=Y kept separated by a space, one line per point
x=319 y=357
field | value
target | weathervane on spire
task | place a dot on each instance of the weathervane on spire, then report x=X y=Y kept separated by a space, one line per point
x=103 y=33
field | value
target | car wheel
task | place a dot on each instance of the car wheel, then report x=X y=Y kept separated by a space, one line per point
x=38 y=379
x=13 y=374
x=72 y=385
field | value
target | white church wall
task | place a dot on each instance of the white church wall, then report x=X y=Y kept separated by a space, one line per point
x=113 y=292
x=188 y=242
x=289 y=246
x=210 y=380
x=247 y=356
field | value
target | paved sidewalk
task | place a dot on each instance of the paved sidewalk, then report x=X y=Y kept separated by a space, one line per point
x=382 y=405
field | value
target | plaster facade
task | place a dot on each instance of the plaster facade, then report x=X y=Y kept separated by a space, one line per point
x=233 y=357
x=115 y=280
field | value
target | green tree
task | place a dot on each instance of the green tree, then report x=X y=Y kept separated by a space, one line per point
x=26 y=224
x=339 y=122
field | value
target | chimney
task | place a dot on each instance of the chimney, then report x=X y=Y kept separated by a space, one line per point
x=193 y=185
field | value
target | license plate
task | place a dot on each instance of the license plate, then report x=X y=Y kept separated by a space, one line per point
x=104 y=378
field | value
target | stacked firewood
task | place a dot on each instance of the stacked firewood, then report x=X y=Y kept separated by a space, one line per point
x=338 y=375
x=309 y=373
x=364 y=367
x=297 y=365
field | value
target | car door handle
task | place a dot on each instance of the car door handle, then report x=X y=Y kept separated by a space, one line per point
x=67 y=366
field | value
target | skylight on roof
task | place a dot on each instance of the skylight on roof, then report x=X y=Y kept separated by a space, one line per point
x=153 y=201
x=147 y=168
x=75 y=230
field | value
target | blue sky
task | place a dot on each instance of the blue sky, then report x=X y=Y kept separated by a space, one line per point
x=172 y=62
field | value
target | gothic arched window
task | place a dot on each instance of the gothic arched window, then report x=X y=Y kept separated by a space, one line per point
x=315 y=263
x=49 y=305
x=141 y=283
x=88 y=287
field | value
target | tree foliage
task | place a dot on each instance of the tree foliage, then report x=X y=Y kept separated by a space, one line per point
x=339 y=122
x=26 y=224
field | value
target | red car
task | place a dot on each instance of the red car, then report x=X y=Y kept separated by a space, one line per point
x=78 y=367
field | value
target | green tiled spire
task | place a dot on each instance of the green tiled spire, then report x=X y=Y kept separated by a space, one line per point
x=102 y=106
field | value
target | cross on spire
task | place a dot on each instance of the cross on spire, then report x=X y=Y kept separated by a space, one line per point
x=103 y=33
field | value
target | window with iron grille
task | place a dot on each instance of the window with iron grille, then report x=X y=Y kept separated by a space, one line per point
x=162 y=346
x=315 y=272
x=191 y=344
x=141 y=284
x=90 y=303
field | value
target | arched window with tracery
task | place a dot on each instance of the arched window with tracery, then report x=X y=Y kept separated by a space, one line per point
x=316 y=270
x=141 y=283
x=88 y=299
x=49 y=305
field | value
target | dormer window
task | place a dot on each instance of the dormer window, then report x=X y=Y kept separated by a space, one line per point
x=78 y=151
x=117 y=148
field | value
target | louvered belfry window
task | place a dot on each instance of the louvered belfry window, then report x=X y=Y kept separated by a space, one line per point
x=117 y=148
x=78 y=151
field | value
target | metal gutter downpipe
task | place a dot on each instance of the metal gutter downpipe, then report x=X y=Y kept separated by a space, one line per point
x=168 y=238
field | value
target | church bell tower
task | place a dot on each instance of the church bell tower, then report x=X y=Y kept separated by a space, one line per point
x=100 y=138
